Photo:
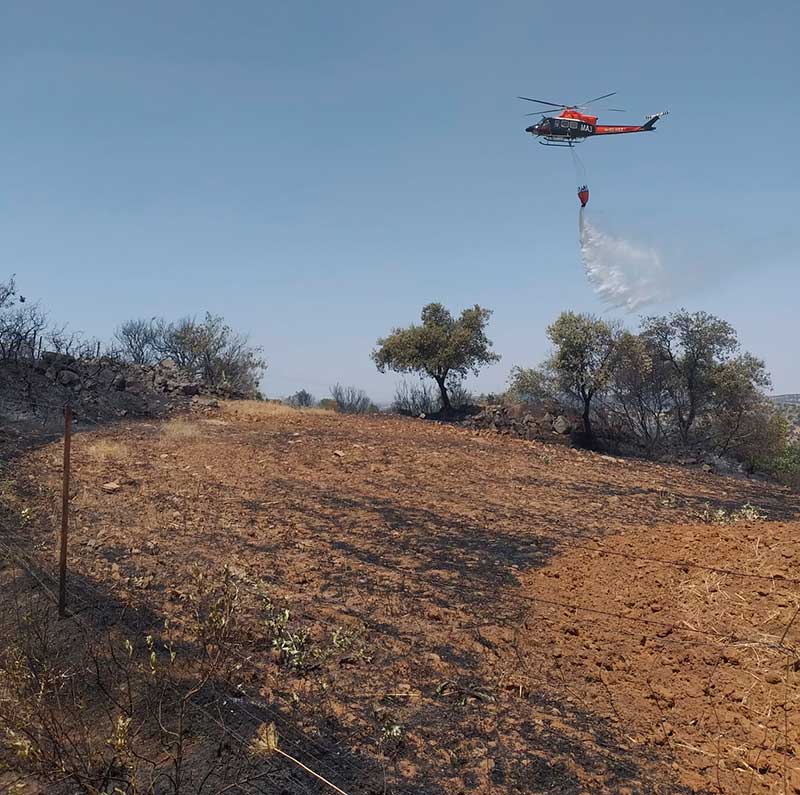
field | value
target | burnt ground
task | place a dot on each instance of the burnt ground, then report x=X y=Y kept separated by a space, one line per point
x=467 y=612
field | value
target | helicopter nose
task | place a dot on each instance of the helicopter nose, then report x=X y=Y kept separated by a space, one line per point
x=531 y=129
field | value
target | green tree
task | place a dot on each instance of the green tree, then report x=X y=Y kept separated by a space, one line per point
x=741 y=420
x=443 y=348
x=582 y=362
x=530 y=385
x=691 y=346
x=638 y=399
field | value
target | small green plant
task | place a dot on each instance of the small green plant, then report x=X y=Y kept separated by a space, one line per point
x=391 y=739
x=295 y=647
x=348 y=642
x=119 y=735
x=392 y=731
x=667 y=499
x=343 y=638
x=747 y=513
x=750 y=513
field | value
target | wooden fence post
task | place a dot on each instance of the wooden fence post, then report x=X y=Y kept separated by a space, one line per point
x=62 y=563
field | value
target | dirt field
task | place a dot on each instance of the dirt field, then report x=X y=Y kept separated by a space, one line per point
x=467 y=613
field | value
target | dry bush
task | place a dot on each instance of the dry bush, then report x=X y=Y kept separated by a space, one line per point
x=98 y=712
x=415 y=398
x=352 y=400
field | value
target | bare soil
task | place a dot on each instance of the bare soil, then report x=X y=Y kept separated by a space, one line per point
x=467 y=612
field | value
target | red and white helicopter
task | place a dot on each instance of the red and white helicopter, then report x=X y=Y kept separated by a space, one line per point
x=571 y=126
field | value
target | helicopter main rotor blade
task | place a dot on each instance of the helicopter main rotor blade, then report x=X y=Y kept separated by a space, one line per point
x=589 y=101
x=543 y=102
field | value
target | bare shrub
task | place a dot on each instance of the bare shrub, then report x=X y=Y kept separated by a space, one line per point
x=415 y=398
x=73 y=343
x=460 y=396
x=22 y=326
x=301 y=399
x=208 y=350
x=102 y=713
x=351 y=400
x=137 y=341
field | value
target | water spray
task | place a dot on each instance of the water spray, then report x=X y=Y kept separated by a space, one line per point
x=624 y=274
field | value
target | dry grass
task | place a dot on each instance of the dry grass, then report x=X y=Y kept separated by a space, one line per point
x=255 y=410
x=724 y=607
x=180 y=429
x=106 y=450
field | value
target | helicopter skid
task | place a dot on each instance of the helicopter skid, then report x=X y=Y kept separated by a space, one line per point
x=560 y=142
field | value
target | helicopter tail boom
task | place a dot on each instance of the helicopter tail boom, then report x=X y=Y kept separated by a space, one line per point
x=651 y=120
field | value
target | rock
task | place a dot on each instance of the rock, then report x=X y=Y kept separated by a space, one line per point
x=561 y=425
x=68 y=378
x=724 y=465
x=55 y=360
x=190 y=389
x=111 y=487
x=338 y=453
x=119 y=382
x=207 y=402
x=773 y=678
x=168 y=364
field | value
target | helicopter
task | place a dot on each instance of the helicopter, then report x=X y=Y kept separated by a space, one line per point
x=571 y=126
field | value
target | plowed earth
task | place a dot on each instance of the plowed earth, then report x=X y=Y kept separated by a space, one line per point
x=481 y=614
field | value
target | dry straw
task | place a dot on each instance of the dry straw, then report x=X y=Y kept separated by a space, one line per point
x=266 y=742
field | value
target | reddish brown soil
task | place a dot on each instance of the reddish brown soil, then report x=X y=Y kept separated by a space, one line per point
x=521 y=618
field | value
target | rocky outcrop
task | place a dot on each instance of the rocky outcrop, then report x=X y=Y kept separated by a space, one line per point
x=519 y=422
x=102 y=388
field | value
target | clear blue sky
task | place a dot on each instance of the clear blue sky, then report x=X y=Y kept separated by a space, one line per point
x=317 y=171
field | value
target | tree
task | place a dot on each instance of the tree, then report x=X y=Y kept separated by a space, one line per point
x=741 y=420
x=583 y=360
x=691 y=346
x=638 y=398
x=442 y=347
x=531 y=385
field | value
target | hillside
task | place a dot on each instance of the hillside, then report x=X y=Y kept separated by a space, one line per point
x=789 y=407
x=786 y=400
x=466 y=612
